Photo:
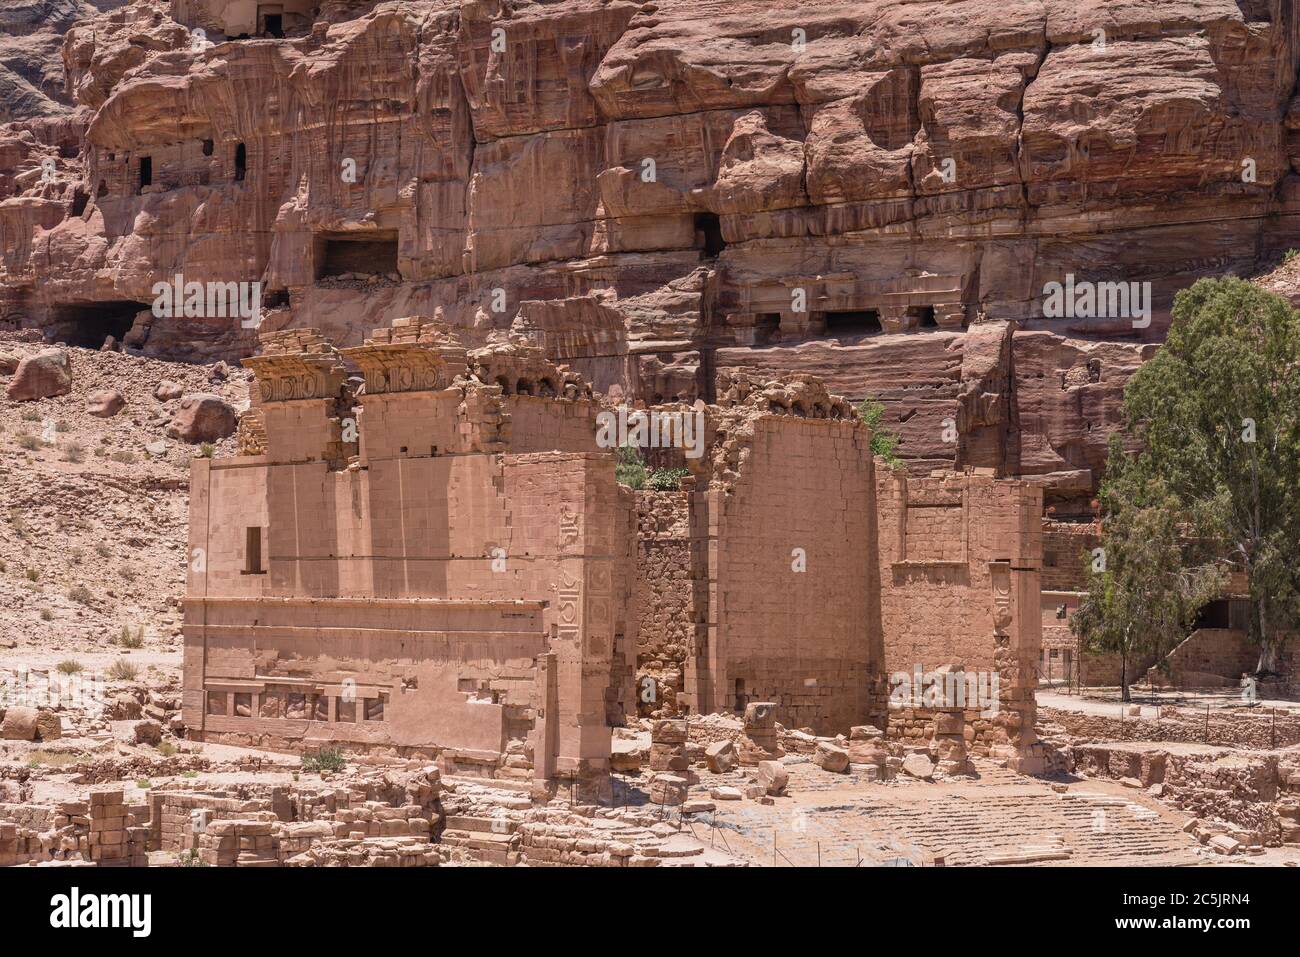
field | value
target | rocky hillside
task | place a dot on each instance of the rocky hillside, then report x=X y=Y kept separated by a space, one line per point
x=93 y=509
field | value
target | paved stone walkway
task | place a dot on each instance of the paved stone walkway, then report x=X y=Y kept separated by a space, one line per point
x=842 y=821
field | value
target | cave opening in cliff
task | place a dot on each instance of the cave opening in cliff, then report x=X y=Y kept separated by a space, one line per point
x=767 y=327
x=241 y=162
x=88 y=324
x=274 y=25
x=371 y=254
x=79 y=201
x=708 y=234
x=863 y=322
x=146 y=171
x=925 y=318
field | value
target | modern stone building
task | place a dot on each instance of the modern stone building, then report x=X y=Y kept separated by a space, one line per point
x=433 y=556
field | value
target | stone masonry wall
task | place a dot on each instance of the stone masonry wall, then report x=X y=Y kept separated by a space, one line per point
x=791 y=613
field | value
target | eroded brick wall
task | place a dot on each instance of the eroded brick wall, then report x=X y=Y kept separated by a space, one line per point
x=671 y=582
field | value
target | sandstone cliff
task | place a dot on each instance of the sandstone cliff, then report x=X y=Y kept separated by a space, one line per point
x=659 y=192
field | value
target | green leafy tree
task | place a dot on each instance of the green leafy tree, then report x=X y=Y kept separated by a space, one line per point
x=884 y=443
x=1216 y=416
x=1147 y=580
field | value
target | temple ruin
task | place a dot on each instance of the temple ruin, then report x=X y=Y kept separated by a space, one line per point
x=434 y=558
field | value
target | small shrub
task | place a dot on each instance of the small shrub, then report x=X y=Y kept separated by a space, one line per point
x=126 y=458
x=184 y=774
x=80 y=593
x=127 y=572
x=884 y=443
x=128 y=640
x=47 y=615
x=61 y=425
x=122 y=670
x=166 y=749
x=666 y=480
x=143 y=784
x=206 y=450
x=33 y=574
x=102 y=550
x=74 y=452
x=31 y=415
x=191 y=859
x=69 y=666
x=324 y=759
x=630 y=469
x=29 y=442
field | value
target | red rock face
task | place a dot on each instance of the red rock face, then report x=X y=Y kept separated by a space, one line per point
x=659 y=191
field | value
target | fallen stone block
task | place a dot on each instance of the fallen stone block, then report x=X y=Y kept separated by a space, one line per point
x=19 y=724
x=49 y=726
x=148 y=732
x=1225 y=844
x=918 y=766
x=830 y=757
x=721 y=757
x=773 y=777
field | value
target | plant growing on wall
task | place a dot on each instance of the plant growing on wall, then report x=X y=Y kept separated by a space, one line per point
x=630 y=469
x=884 y=443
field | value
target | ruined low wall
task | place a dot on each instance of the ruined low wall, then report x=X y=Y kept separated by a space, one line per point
x=1257 y=792
x=1257 y=728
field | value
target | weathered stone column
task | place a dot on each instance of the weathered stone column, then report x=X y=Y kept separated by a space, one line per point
x=758 y=742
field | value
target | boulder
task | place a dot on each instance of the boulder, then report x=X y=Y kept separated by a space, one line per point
x=724 y=793
x=202 y=417
x=830 y=757
x=148 y=732
x=105 y=403
x=773 y=777
x=166 y=390
x=48 y=373
x=8 y=363
x=918 y=766
x=721 y=757
x=19 y=724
